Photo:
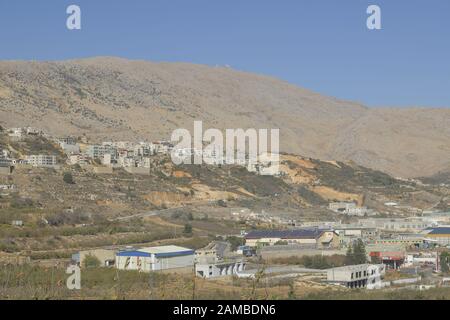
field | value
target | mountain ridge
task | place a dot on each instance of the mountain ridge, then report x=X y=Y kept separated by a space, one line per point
x=109 y=97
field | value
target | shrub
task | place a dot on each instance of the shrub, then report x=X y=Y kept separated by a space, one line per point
x=68 y=178
x=187 y=229
x=91 y=262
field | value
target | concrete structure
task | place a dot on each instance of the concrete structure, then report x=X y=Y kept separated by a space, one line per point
x=317 y=237
x=7 y=186
x=414 y=259
x=19 y=133
x=245 y=251
x=17 y=223
x=144 y=149
x=341 y=206
x=403 y=239
x=80 y=159
x=413 y=224
x=98 y=151
x=357 y=276
x=155 y=258
x=375 y=274
x=70 y=148
x=41 y=160
x=216 y=260
x=15 y=133
x=67 y=140
x=6 y=170
x=439 y=236
x=295 y=250
x=274 y=272
x=220 y=268
x=4 y=162
x=348 y=234
x=4 y=154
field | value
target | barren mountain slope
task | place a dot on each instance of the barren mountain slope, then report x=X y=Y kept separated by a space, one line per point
x=405 y=142
x=121 y=99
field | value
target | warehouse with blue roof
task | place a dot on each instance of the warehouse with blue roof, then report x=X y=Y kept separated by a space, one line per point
x=155 y=258
x=438 y=235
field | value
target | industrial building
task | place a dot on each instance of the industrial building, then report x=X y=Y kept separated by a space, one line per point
x=439 y=236
x=392 y=256
x=410 y=224
x=316 y=237
x=348 y=234
x=155 y=258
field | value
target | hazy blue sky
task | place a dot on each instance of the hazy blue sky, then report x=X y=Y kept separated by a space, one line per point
x=322 y=45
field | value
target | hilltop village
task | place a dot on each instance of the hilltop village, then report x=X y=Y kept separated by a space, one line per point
x=310 y=228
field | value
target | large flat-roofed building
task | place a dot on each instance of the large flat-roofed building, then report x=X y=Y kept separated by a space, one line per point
x=405 y=239
x=439 y=235
x=348 y=234
x=316 y=237
x=155 y=258
x=411 y=224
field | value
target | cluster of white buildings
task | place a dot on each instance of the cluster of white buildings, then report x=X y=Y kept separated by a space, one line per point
x=20 y=133
x=123 y=154
x=134 y=157
x=265 y=164
x=36 y=160
x=39 y=160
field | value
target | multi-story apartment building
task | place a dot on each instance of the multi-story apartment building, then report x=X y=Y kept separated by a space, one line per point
x=41 y=160
x=98 y=151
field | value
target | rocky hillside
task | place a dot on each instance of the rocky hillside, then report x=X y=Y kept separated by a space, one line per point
x=307 y=183
x=122 y=99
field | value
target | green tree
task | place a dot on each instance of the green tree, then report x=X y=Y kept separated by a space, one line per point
x=359 y=252
x=91 y=261
x=349 y=255
x=445 y=261
x=187 y=229
x=235 y=242
x=68 y=178
x=222 y=203
x=356 y=253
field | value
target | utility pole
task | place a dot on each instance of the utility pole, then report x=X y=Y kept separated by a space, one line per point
x=193 y=286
